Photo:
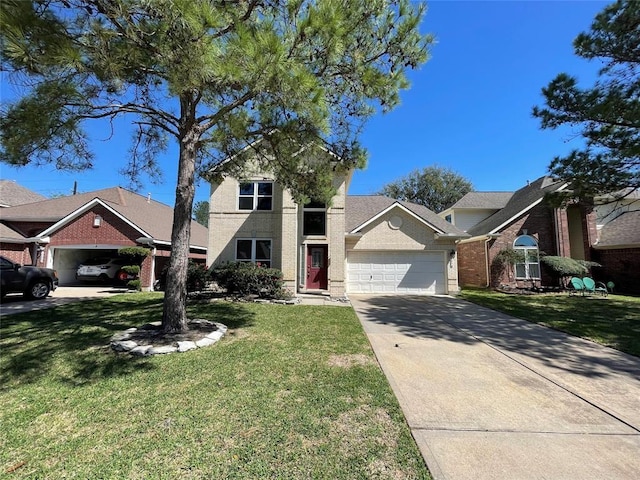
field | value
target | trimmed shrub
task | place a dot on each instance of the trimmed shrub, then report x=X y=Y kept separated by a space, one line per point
x=562 y=267
x=131 y=269
x=246 y=278
x=503 y=262
x=197 y=277
x=134 y=256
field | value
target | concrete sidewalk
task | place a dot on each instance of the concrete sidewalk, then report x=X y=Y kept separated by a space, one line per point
x=488 y=396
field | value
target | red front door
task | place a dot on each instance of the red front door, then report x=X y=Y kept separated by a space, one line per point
x=317 y=267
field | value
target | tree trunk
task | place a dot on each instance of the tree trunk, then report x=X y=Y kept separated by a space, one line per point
x=174 y=315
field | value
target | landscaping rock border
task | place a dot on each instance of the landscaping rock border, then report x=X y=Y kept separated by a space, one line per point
x=150 y=340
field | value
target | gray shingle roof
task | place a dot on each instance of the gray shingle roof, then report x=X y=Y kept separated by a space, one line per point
x=7 y=233
x=360 y=208
x=623 y=230
x=12 y=194
x=153 y=217
x=483 y=200
x=520 y=201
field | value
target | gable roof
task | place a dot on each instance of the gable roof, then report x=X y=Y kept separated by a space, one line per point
x=360 y=210
x=520 y=202
x=9 y=235
x=149 y=216
x=12 y=194
x=622 y=231
x=483 y=200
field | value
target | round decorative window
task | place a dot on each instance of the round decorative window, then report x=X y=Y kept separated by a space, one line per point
x=395 y=222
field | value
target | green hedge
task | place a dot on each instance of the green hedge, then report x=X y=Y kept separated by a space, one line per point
x=246 y=278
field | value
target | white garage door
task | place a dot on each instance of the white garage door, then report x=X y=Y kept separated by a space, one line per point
x=396 y=272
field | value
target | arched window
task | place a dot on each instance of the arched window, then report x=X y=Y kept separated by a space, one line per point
x=528 y=267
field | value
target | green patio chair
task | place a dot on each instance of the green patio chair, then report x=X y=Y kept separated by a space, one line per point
x=577 y=286
x=602 y=288
x=591 y=287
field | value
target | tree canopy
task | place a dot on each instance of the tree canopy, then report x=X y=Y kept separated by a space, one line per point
x=437 y=188
x=606 y=115
x=261 y=77
x=201 y=213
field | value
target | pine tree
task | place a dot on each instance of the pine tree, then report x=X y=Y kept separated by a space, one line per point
x=607 y=114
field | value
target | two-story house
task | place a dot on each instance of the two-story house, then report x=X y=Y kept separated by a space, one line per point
x=356 y=244
x=524 y=221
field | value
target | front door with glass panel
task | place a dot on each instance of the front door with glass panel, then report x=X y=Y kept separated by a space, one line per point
x=317 y=267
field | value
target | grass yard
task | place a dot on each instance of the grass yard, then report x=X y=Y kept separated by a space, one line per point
x=613 y=321
x=290 y=392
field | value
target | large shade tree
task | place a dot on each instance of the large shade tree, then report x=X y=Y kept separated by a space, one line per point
x=607 y=114
x=437 y=188
x=270 y=78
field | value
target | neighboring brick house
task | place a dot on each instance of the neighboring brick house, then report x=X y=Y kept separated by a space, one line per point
x=522 y=220
x=368 y=244
x=62 y=232
x=618 y=245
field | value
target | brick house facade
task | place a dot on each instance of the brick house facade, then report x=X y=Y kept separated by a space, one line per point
x=509 y=218
x=496 y=220
x=62 y=232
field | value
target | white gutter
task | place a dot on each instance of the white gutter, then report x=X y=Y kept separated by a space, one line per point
x=150 y=241
x=43 y=240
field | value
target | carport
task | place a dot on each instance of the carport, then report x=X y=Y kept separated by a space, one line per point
x=65 y=259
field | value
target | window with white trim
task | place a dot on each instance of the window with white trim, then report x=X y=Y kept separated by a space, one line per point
x=255 y=196
x=255 y=250
x=528 y=267
x=314 y=218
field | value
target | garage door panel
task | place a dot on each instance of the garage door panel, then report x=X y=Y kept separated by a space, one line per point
x=396 y=272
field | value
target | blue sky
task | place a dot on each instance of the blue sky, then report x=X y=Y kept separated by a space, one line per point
x=468 y=109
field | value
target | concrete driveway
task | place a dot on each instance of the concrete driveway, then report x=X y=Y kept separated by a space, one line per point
x=488 y=396
x=15 y=303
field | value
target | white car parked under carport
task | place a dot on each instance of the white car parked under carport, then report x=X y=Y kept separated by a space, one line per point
x=102 y=269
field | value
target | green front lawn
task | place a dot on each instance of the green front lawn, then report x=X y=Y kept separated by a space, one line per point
x=613 y=321
x=290 y=392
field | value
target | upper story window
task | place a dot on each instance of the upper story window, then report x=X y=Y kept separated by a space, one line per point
x=448 y=218
x=314 y=218
x=255 y=196
x=529 y=266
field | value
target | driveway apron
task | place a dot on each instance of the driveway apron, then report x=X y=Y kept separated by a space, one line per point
x=489 y=396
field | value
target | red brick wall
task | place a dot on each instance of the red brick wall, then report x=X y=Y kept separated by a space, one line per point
x=112 y=231
x=561 y=225
x=472 y=270
x=539 y=223
x=16 y=252
x=621 y=266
